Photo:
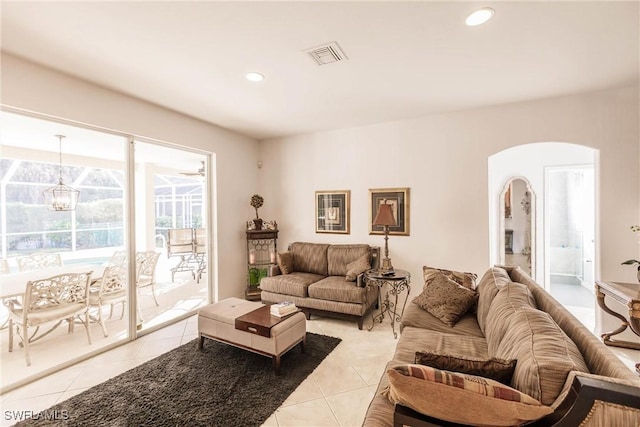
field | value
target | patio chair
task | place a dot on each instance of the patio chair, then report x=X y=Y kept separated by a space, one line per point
x=60 y=298
x=38 y=261
x=146 y=271
x=118 y=259
x=200 y=251
x=180 y=243
x=4 y=266
x=110 y=289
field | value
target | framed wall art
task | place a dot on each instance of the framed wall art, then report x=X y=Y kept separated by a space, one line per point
x=333 y=211
x=398 y=198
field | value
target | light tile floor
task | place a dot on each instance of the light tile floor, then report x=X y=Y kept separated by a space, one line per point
x=337 y=393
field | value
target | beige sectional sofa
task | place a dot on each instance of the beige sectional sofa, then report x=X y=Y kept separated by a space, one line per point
x=318 y=281
x=559 y=362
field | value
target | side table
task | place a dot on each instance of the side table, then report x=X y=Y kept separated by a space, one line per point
x=395 y=284
x=627 y=294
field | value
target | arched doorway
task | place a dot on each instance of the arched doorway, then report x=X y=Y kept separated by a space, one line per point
x=564 y=245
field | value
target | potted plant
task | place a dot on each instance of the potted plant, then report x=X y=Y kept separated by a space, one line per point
x=257 y=201
x=635 y=229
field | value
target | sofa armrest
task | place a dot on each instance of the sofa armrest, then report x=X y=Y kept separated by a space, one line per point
x=274 y=270
x=591 y=398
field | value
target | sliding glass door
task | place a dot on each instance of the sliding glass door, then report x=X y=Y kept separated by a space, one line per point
x=171 y=232
x=135 y=197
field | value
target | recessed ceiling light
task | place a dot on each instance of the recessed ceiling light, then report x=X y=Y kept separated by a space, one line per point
x=254 y=77
x=480 y=16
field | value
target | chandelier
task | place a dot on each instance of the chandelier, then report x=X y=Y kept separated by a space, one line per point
x=61 y=197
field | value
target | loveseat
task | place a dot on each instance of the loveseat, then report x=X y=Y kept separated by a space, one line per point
x=562 y=374
x=324 y=279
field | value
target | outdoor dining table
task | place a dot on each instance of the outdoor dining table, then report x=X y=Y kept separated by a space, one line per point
x=15 y=284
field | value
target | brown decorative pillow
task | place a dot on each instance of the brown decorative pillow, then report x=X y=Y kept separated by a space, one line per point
x=434 y=393
x=356 y=267
x=494 y=368
x=285 y=262
x=445 y=299
x=468 y=280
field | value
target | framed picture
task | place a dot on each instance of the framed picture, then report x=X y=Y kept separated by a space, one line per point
x=398 y=198
x=333 y=211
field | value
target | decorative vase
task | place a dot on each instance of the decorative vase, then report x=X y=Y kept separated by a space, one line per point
x=257 y=223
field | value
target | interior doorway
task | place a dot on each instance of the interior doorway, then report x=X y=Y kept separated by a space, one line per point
x=570 y=241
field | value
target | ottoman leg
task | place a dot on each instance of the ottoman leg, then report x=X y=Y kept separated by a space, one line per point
x=276 y=364
x=200 y=342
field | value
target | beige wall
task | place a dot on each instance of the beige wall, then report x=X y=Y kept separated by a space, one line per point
x=32 y=87
x=444 y=160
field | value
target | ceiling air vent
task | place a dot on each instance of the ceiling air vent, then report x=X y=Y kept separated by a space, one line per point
x=327 y=53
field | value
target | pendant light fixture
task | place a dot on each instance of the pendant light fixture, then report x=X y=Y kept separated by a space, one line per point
x=61 y=197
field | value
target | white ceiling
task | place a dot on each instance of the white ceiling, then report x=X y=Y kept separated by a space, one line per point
x=406 y=59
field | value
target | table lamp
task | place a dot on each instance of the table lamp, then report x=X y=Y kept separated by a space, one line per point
x=385 y=218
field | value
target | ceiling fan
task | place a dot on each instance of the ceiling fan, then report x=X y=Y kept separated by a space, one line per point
x=199 y=172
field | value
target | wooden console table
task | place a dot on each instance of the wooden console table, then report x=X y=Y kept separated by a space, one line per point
x=627 y=294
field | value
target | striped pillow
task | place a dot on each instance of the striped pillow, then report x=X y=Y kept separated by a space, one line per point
x=434 y=392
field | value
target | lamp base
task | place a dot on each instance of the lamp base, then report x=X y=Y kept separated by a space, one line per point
x=386 y=264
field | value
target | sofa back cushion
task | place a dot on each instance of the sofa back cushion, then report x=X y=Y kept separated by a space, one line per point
x=544 y=352
x=510 y=298
x=310 y=257
x=493 y=280
x=338 y=256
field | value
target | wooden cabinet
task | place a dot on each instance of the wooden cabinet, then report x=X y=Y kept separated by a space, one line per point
x=262 y=250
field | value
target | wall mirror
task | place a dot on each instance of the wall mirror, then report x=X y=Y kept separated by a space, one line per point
x=517 y=230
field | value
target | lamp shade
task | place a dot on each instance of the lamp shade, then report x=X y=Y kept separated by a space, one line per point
x=384 y=215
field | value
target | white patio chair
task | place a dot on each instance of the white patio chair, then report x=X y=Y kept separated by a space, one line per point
x=109 y=290
x=4 y=266
x=60 y=298
x=38 y=261
x=180 y=243
x=200 y=251
x=146 y=271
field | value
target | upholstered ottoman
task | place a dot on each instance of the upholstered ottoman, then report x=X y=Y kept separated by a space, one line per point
x=218 y=322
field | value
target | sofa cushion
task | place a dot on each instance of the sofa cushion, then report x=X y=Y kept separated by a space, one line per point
x=492 y=281
x=357 y=267
x=335 y=288
x=418 y=339
x=486 y=402
x=339 y=256
x=310 y=258
x=494 y=368
x=544 y=352
x=511 y=297
x=446 y=299
x=468 y=280
x=417 y=317
x=295 y=283
x=285 y=262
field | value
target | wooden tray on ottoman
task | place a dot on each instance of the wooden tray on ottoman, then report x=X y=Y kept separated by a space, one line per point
x=260 y=321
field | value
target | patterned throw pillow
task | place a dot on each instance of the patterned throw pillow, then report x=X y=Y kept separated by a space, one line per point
x=285 y=262
x=356 y=267
x=468 y=280
x=434 y=393
x=494 y=368
x=445 y=299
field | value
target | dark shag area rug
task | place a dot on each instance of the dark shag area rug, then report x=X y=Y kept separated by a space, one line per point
x=219 y=386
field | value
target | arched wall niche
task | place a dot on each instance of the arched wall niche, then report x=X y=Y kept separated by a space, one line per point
x=517 y=224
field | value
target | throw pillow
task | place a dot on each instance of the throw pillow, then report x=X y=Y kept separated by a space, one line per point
x=445 y=299
x=356 y=267
x=285 y=262
x=434 y=392
x=497 y=369
x=468 y=280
